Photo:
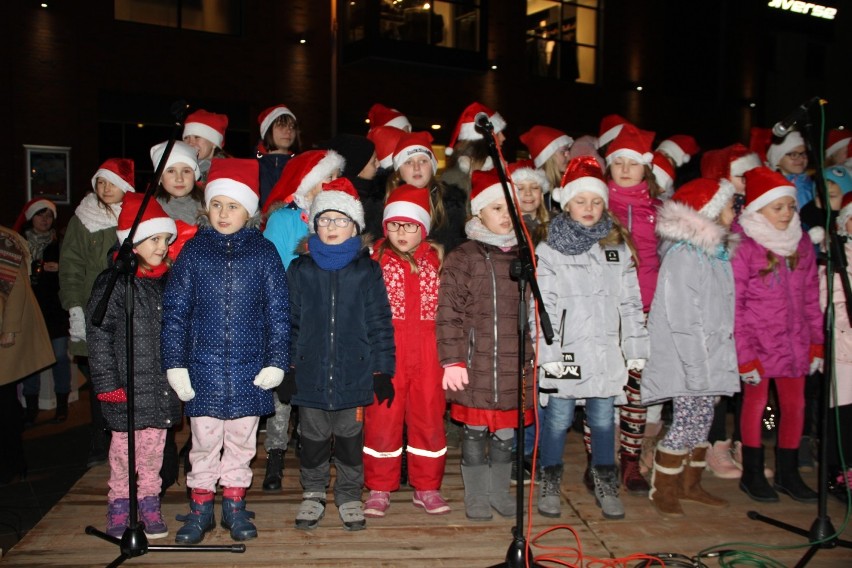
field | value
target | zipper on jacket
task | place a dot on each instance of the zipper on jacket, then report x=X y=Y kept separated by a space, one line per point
x=562 y=328
x=630 y=219
x=228 y=289
x=494 y=311
x=331 y=336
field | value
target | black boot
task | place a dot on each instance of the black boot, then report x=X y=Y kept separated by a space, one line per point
x=274 y=471
x=32 y=410
x=61 y=408
x=753 y=481
x=787 y=478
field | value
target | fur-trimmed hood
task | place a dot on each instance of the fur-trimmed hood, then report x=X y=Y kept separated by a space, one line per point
x=680 y=223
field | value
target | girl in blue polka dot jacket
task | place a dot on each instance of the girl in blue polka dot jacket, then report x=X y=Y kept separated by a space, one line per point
x=225 y=344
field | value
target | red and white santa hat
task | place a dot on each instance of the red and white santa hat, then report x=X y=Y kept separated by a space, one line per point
x=543 y=142
x=385 y=138
x=632 y=143
x=610 y=127
x=154 y=220
x=413 y=143
x=844 y=214
x=406 y=204
x=466 y=125
x=485 y=188
x=680 y=148
x=182 y=153
x=838 y=138
x=741 y=160
x=582 y=174
x=776 y=151
x=207 y=125
x=664 y=172
x=338 y=195
x=707 y=196
x=525 y=170
x=268 y=116
x=301 y=173
x=235 y=178
x=763 y=186
x=380 y=115
x=118 y=171
x=32 y=207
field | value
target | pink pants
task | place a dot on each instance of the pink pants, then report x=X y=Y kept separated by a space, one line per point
x=791 y=402
x=238 y=437
x=149 y=459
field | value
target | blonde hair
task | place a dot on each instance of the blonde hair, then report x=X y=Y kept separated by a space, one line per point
x=617 y=235
x=552 y=173
x=772 y=262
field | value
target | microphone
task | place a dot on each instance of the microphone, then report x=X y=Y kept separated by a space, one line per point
x=782 y=127
x=483 y=122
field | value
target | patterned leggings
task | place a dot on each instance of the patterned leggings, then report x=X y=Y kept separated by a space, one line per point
x=691 y=420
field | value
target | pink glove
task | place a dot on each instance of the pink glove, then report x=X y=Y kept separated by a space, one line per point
x=455 y=378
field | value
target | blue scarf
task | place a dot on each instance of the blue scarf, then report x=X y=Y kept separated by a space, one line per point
x=570 y=237
x=333 y=257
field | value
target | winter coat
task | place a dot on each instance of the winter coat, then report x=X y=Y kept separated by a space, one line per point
x=595 y=309
x=804 y=187
x=286 y=227
x=842 y=332
x=156 y=404
x=477 y=325
x=341 y=332
x=637 y=212
x=225 y=317
x=45 y=284
x=691 y=321
x=270 y=167
x=778 y=316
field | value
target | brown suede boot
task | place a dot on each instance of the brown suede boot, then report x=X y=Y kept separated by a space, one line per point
x=690 y=487
x=665 y=481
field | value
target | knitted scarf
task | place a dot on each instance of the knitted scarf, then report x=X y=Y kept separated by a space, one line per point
x=570 y=237
x=783 y=243
x=476 y=231
x=38 y=242
x=333 y=257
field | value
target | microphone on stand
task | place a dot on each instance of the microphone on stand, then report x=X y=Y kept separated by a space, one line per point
x=782 y=127
x=483 y=122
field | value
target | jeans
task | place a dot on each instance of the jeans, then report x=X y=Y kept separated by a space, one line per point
x=558 y=417
x=61 y=371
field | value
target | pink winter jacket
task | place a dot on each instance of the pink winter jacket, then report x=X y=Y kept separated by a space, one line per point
x=778 y=316
x=637 y=211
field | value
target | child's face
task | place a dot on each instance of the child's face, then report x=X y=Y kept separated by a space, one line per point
x=495 y=217
x=42 y=221
x=332 y=233
x=108 y=192
x=203 y=146
x=726 y=217
x=779 y=212
x=738 y=182
x=226 y=215
x=178 y=179
x=586 y=208
x=154 y=249
x=284 y=132
x=404 y=235
x=835 y=195
x=562 y=157
x=795 y=161
x=416 y=170
x=626 y=172
x=529 y=197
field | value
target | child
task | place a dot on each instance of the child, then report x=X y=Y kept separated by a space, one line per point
x=477 y=331
x=205 y=131
x=778 y=329
x=549 y=150
x=693 y=357
x=532 y=187
x=342 y=353
x=467 y=150
x=225 y=344
x=155 y=405
x=789 y=156
x=280 y=139
x=178 y=192
x=587 y=275
x=410 y=265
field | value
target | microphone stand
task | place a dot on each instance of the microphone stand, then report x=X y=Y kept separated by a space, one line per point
x=822 y=533
x=134 y=542
x=523 y=270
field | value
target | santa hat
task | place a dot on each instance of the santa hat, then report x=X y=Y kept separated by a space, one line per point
x=838 y=138
x=182 y=153
x=844 y=215
x=707 y=196
x=759 y=141
x=777 y=150
x=485 y=188
x=118 y=171
x=543 y=142
x=664 y=172
x=741 y=160
x=582 y=174
x=301 y=173
x=680 y=148
x=32 y=207
x=525 y=170
x=268 y=116
x=839 y=175
x=385 y=138
x=338 y=195
x=380 y=115
x=466 y=125
x=610 y=127
x=632 y=143
x=154 y=220
x=411 y=144
x=409 y=203
x=235 y=178
x=763 y=186
x=207 y=125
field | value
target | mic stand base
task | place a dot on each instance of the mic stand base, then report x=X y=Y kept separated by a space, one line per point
x=134 y=543
x=518 y=555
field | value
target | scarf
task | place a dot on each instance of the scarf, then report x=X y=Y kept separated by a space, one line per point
x=94 y=217
x=333 y=257
x=783 y=243
x=153 y=271
x=476 y=231
x=570 y=237
x=38 y=242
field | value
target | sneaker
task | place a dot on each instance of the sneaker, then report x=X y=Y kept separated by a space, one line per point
x=311 y=511
x=377 y=503
x=720 y=461
x=737 y=455
x=606 y=491
x=513 y=478
x=431 y=501
x=352 y=515
x=118 y=517
x=152 y=518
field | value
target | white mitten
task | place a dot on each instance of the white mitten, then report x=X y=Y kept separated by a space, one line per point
x=635 y=364
x=750 y=378
x=816 y=365
x=179 y=381
x=77 y=324
x=269 y=378
x=557 y=368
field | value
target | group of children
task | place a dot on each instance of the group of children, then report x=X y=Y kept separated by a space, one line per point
x=247 y=304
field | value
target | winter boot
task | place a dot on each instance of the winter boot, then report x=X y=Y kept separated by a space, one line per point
x=649 y=446
x=787 y=478
x=665 y=481
x=234 y=515
x=61 y=408
x=118 y=517
x=499 y=494
x=690 y=487
x=737 y=454
x=720 y=461
x=549 y=497
x=152 y=518
x=274 y=471
x=199 y=521
x=632 y=480
x=606 y=491
x=32 y=410
x=753 y=481
x=476 y=475
x=311 y=511
x=352 y=516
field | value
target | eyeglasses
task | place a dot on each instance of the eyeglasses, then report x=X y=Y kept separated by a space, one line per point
x=796 y=155
x=394 y=226
x=341 y=222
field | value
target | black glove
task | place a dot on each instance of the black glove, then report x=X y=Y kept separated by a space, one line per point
x=287 y=388
x=383 y=387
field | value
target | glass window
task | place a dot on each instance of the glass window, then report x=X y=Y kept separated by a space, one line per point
x=562 y=39
x=213 y=16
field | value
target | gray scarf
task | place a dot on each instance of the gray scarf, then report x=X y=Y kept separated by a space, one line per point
x=570 y=237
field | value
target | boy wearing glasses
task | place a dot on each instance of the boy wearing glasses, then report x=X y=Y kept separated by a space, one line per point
x=342 y=353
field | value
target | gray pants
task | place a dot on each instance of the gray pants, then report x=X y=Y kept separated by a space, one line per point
x=318 y=428
x=277 y=436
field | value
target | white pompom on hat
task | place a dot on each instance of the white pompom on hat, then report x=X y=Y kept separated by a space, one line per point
x=182 y=153
x=154 y=220
x=235 y=178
